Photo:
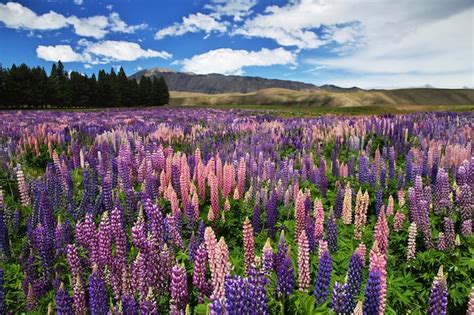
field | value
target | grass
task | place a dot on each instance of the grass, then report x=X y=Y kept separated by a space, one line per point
x=311 y=111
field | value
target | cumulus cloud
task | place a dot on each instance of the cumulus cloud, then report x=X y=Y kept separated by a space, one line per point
x=65 y=53
x=375 y=39
x=229 y=61
x=123 y=51
x=238 y=9
x=99 y=53
x=192 y=24
x=17 y=16
x=79 y=2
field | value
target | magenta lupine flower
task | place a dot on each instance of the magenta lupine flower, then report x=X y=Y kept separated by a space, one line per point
x=79 y=297
x=139 y=232
x=303 y=262
x=104 y=241
x=179 y=290
x=439 y=295
x=199 y=273
x=411 y=248
x=73 y=261
x=86 y=235
x=249 y=245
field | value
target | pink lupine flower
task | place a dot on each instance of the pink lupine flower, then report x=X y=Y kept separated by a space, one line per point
x=241 y=177
x=360 y=213
x=303 y=262
x=214 y=195
x=319 y=220
x=381 y=233
x=215 y=262
x=401 y=198
x=323 y=247
x=398 y=221
x=228 y=180
x=378 y=261
x=22 y=187
x=249 y=245
x=195 y=203
x=411 y=248
x=390 y=206
x=300 y=213
x=236 y=195
x=347 y=205
x=362 y=250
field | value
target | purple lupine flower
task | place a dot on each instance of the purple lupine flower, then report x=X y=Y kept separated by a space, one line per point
x=281 y=251
x=271 y=208
x=309 y=229
x=340 y=302
x=192 y=246
x=442 y=191
x=285 y=277
x=3 y=309
x=190 y=216
x=439 y=295
x=257 y=223
x=378 y=201
x=339 y=200
x=323 y=181
x=104 y=241
x=63 y=302
x=155 y=221
x=257 y=292
x=216 y=306
x=201 y=229
x=97 y=293
x=179 y=290
x=4 y=239
x=391 y=163
x=129 y=305
x=321 y=288
x=449 y=232
x=148 y=306
x=408 y=167
x=464 y=203
x=199 y=272
x=79 y=297
x=236 y=295
x=331 y=233
x=363 y=169
x=372 y=293
x=45 y=248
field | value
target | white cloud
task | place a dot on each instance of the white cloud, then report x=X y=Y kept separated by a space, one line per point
x=16 y=16
x=229 y=61
x=118 y=25
x=238 y=9
x=192 y=24
x=109 y=7
x=79 y=2
x=65 y=53
x=99 y=53
x=94 y=26
x=375 y=39
x=123 y=51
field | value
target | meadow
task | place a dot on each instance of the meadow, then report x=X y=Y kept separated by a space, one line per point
x=236 y=211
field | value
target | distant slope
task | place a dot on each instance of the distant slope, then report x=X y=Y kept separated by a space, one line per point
x=218 y=83
x=329 y=98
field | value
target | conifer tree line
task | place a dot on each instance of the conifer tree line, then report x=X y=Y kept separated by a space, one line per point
x=25 y=87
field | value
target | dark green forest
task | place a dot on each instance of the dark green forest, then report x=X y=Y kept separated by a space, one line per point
x=25 y=87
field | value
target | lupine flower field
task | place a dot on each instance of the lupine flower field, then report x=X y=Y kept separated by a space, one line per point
x=206 y=211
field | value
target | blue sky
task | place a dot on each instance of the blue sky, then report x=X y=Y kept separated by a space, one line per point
x=363 y=43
